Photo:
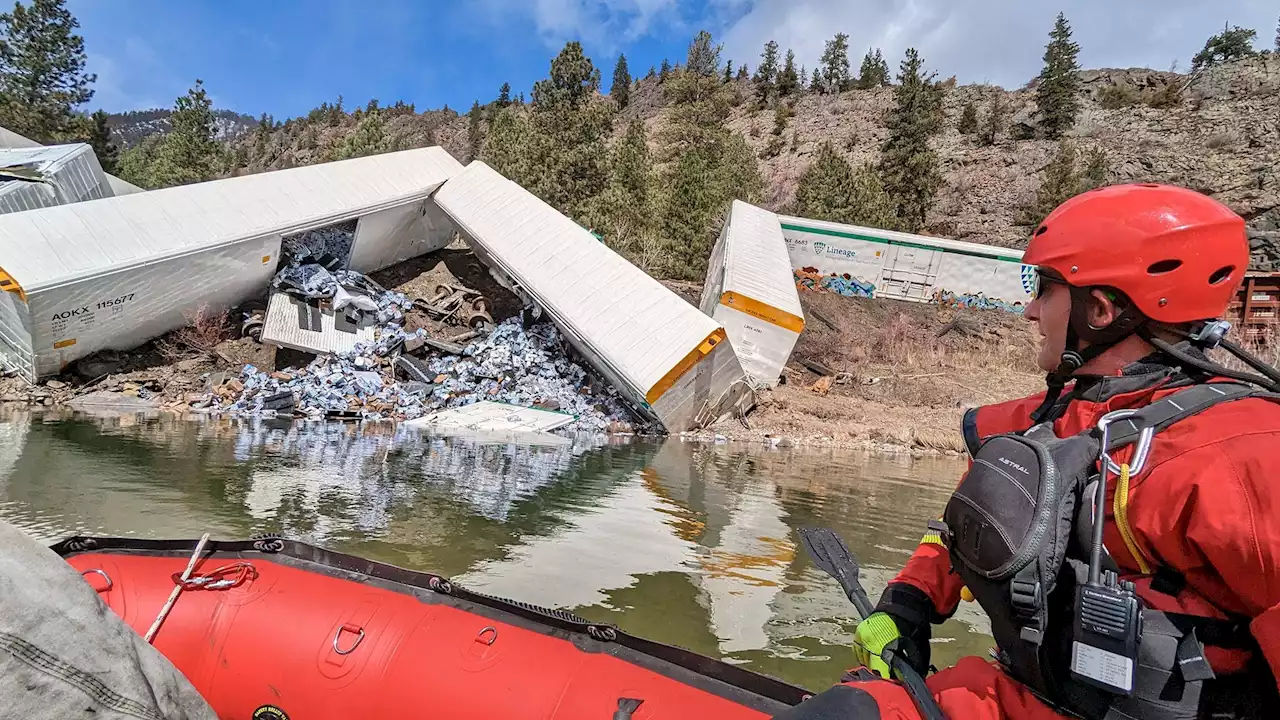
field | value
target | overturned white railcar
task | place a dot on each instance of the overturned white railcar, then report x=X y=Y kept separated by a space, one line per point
x=669 y=360
x=36 y=177
x=117 y=272
x=749 y=289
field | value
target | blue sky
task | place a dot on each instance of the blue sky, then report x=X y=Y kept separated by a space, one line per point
x=285 y=57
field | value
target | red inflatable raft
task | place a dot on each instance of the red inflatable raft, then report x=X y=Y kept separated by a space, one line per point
x=270 y=629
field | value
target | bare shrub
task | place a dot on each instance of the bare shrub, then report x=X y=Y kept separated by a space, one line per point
x=204 y=330
x=1123 y=95
x=1166 y=97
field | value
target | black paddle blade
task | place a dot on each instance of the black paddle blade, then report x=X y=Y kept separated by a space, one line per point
x=831 y=555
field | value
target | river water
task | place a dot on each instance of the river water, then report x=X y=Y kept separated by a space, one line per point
x=687 y=544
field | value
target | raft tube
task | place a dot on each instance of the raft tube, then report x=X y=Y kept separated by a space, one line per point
x=273 y=629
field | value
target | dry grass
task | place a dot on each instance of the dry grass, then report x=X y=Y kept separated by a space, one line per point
x=892 y=352
x=1264 y=346
x=204 y=330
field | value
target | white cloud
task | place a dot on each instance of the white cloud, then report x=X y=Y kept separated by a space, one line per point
x=113 y=89
x=608 y=24
x=999 y=41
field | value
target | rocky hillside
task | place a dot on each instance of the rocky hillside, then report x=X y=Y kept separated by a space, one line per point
x=129 y=128
x=1220 y=136
x=1222 y=139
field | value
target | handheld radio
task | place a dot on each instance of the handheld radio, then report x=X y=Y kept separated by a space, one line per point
x=1107 y=621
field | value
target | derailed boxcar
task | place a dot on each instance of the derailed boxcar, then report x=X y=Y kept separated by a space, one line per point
x=749 y=290
x=868 y=262
x=117 y=272
x=670 y=361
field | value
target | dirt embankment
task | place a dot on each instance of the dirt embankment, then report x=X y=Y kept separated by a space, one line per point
x=882 y=374
x=870 y=374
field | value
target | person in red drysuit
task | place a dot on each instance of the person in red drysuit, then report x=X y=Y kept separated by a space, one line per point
x=1125 y=276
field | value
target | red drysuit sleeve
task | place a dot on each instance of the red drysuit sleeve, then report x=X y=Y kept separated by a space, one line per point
x=1213 y=513
x=929 y=570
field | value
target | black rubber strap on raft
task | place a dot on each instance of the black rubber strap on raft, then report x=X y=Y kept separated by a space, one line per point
x=840 y=702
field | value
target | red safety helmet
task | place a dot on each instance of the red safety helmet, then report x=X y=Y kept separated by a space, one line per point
x=1178 y=255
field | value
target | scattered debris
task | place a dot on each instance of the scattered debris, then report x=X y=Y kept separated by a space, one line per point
x=822 y=385
x=510 y=365
x=816 y=367
x=326 y=247
x=494 y=416
x=457 y=306
x=113 y=401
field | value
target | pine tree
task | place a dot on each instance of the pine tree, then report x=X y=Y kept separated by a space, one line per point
x=625 y=211
x=1097 y=170
x=475 y=133
x=815 y=82
x=767 y=72
x=1062 y=180
x=620 y=91
x=743 y=74
x=42 y=77
x=631 y=168
x=1278 y=37
x=568 y=129
x=706 y=164
x=1058 y=183
x=572 y=80
x=968 y=123
x=651 y=74
x=704 y=56
x=188 y=153
x=728 y=72
x=874 y=71
x=994 y=120
x=829 y=189
x=504 y=95
x=1056 y=95
x=505 y=147
x=908 y=166
x=136 y=162
x=99 y=138
x=788 y=79
x=664 y=72
x=780 y=115
x=835 y=64
x=369 y=138
x=1232 y=43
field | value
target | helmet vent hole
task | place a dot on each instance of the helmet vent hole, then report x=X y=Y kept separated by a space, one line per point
x=1148 y=185
x=1042 y=230
x=1221 y=275
x=1164 y=266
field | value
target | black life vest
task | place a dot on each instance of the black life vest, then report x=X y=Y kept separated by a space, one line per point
x=1016 y=529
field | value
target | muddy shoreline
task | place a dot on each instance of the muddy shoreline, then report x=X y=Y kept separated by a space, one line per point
x=870 y=375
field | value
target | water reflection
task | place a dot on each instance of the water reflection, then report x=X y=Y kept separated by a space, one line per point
x=683 y=543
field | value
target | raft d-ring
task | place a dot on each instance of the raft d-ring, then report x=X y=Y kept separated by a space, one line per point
x=487 y=635
x=104 y=575
x=359 y=631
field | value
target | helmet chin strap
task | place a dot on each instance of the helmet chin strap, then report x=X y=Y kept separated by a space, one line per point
x=1074 y=356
